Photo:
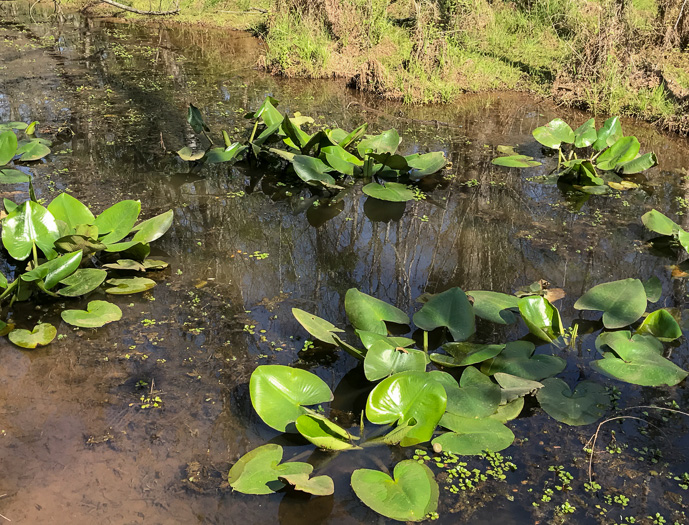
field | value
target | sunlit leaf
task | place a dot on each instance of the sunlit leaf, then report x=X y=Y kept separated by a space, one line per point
x=41 y=335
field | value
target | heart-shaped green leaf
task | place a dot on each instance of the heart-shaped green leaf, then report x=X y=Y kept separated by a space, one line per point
x=659 y=223
x=410 y=496
x=317 y=486
x=623 y=150
x=662 y=325
x=340 y=159
x=473 y=436
x=71 y=211
x=541 y=317
x=622 y=302
x=97 y=314
x=324 y=433
x=369 y=314
x=465 y=354
x=319 y=328
x=477 y=396
x=8 y=147
x=450 y=309
x=383 y=359
x=513 y=387
x=425 y=164
x=129 y=285
x=115 y=223
x=494 y=306
x=386 y=142
x=258 y=471
x=391 y=192
x=405 y=396
x=517 y=359
x=82 y=281
x=654 y=289
x=508 y=411
x=554 y=133
x=29 y=224
x=279 y=394
x=584 y=406
x=516 y=161
x=41 y=335
x=8 y=176
x=153 y=228
x=32 y=150
x=585 y=135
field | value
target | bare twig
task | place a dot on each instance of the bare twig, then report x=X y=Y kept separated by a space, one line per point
x=681 y=12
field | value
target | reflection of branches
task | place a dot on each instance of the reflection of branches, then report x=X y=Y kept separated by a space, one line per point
x=132 y=9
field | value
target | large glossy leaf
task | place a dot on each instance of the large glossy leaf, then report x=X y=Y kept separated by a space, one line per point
x=610 y=133
x=637 y=165
x=516 y=161
x=312 y=170
x=352 y=136
x=554 y=133
x=267 y=111
x=473 y=436
x=153 y=228
x=369 y=314
x=624 y=150
x=195 y=119
x=27 y=225
x=494 y=306
x=585 y=405
x=426 y=164
x=477 y=396
x=279 y=394
x=391 y=192
x=622 y=302
x=585 y=135
x=324 y=433
x=406 y=396
x=513 y=387
x=294 y=133
x=637 y=360
x=410 y=496
x=662 y=325
x=319 y=328
x=219 y=155
x=115 y=223
x=41 y=335
x=541 y=317
x=383 y=359
x=8 y=147
x=258 y=471
x=386 y=142
x=32 y=150
x=517 y=359
x=82 y=281
x=465 y=354
x=659 y=223
x=450 y=309
x=54 y=271
x=129 y=285
x=509 y=411
x=97 y=314
x=340 y=159
x=71 y=211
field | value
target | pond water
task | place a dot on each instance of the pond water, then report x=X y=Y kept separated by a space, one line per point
x=76 y=446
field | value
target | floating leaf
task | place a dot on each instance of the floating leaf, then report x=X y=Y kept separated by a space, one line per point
x=513 y=387
x=654 y=289
x=319 y=328
x=494 y=306
x=541 y=317
x=661 y=325
x=318 y=485
x=473 y=436
x=258 y=471
x=465 y=354
x=585 y=135
x=659 y=223
x=410 y=496
x=32 y=150
x=97 y=314
x=508 y=411
x=82 y=281
x=279 y=393
x=130 y=285
x=153 y=228
x=476 y=397
x=29 y=224
x=369 y=314
x=517 y=359
x=368 y=339
x=383 y=359
x=622 y=302
x=426 y=164
x=324 y=433
x=13 y=125
x=126 y=265
x=516 y=161
x=406 y=396
x=41 y=335
x=71 y=211
x=585 y=405
x=188 y=154
x=79 y=243
x=391 y=192
x=8 y=176
x=554 y=133
x=450 y=309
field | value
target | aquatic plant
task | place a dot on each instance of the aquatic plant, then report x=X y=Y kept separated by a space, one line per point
x=64 y=251
x=326 y=158
x=583 y=152
x=464 y=412
x=28 y=149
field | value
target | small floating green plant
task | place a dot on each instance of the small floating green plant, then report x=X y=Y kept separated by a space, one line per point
x=326 y=158
x=584 y=152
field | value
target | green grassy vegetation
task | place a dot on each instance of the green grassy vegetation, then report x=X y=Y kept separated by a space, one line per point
x=611 y=56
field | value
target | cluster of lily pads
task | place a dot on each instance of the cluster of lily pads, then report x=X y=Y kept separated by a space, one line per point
x=327 y=158
x=591 y=151
x=27 y=149
x=64 y=251
x=463 y=406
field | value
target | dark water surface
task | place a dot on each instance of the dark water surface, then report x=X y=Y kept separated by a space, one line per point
x=75 y=446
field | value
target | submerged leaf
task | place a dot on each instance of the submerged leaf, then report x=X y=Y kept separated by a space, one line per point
x=516 y=161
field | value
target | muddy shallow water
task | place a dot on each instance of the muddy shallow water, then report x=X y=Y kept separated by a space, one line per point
x=77 y=447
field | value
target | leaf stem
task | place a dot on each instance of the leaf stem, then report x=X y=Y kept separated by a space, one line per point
x=425 y=341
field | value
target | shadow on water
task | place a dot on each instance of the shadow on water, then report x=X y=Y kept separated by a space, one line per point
x=245 y=248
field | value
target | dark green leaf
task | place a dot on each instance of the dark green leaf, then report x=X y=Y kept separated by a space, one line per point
x=450 y=309
x=517 y=359
x=494 y=306
x=473 y=436
x=369 y=314
x=195 y=119
x=584 y=406
x=391 y=192
x=622 y=302
x=82 y=281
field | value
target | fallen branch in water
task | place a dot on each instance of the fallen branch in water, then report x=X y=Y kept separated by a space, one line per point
x=133 y=9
